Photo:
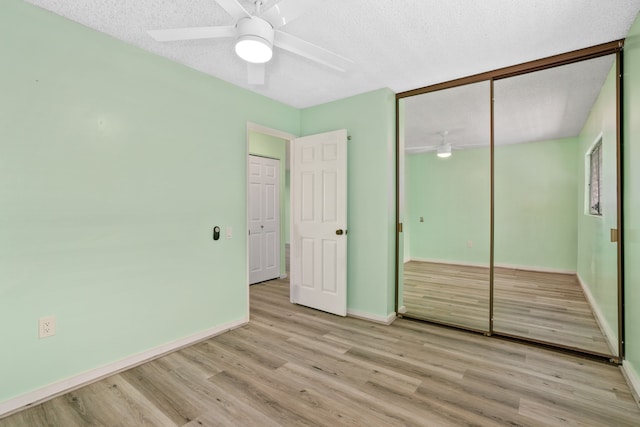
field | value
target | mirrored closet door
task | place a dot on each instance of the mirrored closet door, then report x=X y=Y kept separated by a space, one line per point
x=555 y=206
x=446 y=156
x=508 y=198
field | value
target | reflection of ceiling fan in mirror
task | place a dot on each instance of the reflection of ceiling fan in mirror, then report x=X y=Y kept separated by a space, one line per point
x=257 y=34
x=445 y=147
x=442 y=150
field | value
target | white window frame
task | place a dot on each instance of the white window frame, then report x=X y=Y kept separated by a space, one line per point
x=593 y=199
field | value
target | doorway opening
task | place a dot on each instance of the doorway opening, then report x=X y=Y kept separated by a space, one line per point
x=268 y=163
x=312 y=214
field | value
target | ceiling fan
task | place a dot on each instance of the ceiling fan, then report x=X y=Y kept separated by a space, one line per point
x=445 y=147
x=256 y=35
x=442 y=150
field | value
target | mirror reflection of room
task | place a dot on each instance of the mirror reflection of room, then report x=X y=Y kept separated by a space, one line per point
x=447 y=206
x=555 y=276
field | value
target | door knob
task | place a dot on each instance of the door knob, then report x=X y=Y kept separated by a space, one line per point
x=339 y=232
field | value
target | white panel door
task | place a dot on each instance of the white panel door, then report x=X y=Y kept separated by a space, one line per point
x=319 y=222
x=264 y=219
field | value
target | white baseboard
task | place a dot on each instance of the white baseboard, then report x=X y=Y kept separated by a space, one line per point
x=372 y=317
x=449 y=262
x=534 y=268
x=632 y=379
x=283 y=276
x=402 y=309
x=499 y=265
x=61 y=387
x=608 y=333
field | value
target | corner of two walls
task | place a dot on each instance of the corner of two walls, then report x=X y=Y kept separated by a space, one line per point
x=370 y=122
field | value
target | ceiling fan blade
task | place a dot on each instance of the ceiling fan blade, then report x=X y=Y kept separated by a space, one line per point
x=193 y=33
x=416 y=150
x=256 y=73
x=234 y=9
x=467 y=146
x=286 y=11
x=310 y=51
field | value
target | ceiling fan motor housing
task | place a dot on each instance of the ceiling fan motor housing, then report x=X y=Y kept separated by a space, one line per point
x=254 y=33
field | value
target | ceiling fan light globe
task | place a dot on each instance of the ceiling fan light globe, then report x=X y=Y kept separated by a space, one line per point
x=254 y=42
x=253 y=49
x=444 y=151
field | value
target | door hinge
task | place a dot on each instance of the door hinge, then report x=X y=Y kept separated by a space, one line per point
x=399 y=227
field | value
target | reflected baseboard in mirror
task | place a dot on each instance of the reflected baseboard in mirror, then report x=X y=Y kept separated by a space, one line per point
x=540 y=306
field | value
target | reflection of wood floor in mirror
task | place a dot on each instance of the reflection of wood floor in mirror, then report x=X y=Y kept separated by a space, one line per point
x=548 y=307
x=447 y=293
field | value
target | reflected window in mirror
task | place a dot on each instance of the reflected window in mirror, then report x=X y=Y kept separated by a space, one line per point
x=594 y=180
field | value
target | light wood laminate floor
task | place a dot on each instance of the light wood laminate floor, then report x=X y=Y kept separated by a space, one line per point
x=296 y=366
x=547 y=307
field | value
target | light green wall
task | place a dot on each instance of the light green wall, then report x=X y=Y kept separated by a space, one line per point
x=370 y=121
x=631 y=196
x=535 y=204
x=275 y=148
x=452 y=195
x=115 y=165
x=597 y=256
x=535 y=222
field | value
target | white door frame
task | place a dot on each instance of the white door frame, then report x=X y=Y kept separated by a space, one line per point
x=254 y=127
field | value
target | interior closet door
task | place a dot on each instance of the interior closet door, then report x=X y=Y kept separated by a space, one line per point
x=445 y=205
x=264 y=219
x=556 y=206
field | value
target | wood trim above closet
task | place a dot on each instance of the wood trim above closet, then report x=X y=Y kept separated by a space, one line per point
x=526 y=67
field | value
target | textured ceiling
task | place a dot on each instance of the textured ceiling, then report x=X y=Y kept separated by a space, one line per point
x=401 y=45
x=550 y=104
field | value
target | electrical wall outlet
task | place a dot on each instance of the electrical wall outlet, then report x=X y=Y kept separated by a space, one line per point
x=47 y=326
x=229 y=232
x=469 y=243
